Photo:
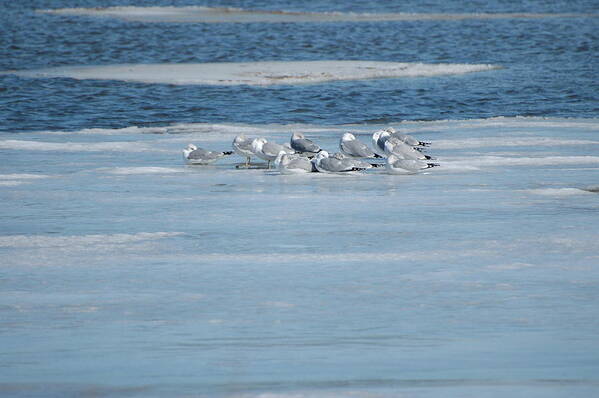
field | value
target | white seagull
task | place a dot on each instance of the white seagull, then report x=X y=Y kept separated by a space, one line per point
x=194 y=155
x=302 y=145
x=350 y=146
x=393 y=146
x=326 y=164
x=408 y=139
x=354 y=161
x=268 y=150
x=290 y=164
x=243 y=147
x=396 y=165
x=378 y=142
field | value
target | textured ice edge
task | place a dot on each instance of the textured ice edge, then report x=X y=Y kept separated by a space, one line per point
x=237 y=15
x=19 y=241
x=255 y=73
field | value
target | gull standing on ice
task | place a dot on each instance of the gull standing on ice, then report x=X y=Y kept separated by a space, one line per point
x=194 y=155
x=393 y=146
x=395 y=165
x=407 y=139
x=301 y=144
x=268 y=150
x=243 y=147
x=326 y=164
x=290 y=164
x=350 y=146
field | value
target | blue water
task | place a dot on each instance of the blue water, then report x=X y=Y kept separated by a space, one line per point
x=126 y=273
x=550 y=66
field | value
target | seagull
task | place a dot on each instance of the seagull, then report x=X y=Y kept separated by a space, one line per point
x=243 y=147
x=268 y=150
x=393 y=146
x=350 y=146
x=289 y=164
x=301 y=144
x=354 y=162
x=378 y=142
x=395 y=165
x=194 y=155
x=326 y=164
x=408 y=139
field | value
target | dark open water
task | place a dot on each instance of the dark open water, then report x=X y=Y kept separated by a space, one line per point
x=551 y=65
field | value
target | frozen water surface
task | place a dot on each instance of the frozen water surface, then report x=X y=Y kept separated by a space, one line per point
x=127 y=273
x=256 y=73
x=238 y=15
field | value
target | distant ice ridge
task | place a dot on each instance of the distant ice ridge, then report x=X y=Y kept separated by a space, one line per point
x=143 y=170
x=27 y=145
x=217 y=130
x=12 y=180
x=255 y=73
x=510 y=142
x=561 y=191
x=238 y=15
x=519 y=161
x=82 y=240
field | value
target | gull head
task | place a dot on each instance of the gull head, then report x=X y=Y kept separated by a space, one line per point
x=376 y=135
x=383 y=137
x=348 y=137
x=240 y=138
x=297 y=136
x=390 y=130
x=190 y=148
x=322 y=155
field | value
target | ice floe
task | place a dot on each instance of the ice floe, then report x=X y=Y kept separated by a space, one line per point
x=198 y=14
x=255 y=73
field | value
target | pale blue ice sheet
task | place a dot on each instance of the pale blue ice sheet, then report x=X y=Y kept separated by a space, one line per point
x=130 y=274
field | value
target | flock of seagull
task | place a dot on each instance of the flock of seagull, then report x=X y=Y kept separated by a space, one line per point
x=403 y=154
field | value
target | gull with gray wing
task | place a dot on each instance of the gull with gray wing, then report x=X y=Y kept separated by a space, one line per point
x=395 y=165
x=407 y=139
x=293 y=164
x=351 y=146
x=402 y=150
x=303 y=146
x=194 y=155
x=326 y=164
x=243 y=147
x=268 y=150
